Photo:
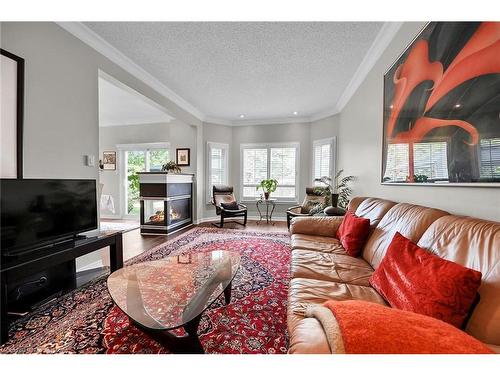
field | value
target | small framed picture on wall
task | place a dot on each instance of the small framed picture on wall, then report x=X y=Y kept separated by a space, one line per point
x=182 y=157
x=109 y=160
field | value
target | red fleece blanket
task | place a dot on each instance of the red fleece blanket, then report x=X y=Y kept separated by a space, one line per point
x=368 y=327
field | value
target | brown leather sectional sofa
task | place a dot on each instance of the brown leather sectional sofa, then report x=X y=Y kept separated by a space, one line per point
x=321 y=270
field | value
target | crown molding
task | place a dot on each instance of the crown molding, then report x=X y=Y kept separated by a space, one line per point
x=379 y=45
x=264 y=121
x=324 y=114
x=96 y=42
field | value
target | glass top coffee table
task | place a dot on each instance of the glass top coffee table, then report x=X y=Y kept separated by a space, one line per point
x=163 y=295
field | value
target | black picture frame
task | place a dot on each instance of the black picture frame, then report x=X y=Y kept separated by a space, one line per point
x=179 y=157
x=19 y=109
x=466 y=102
x=109 y=160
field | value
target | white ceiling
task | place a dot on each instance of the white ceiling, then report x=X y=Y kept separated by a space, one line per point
x=121 y=105
x=263 y=70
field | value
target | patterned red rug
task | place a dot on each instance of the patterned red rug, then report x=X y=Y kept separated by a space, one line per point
x=87 y=321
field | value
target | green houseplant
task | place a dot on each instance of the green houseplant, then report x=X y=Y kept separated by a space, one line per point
x=171 y=166
x=337 y=190
x=268 y=186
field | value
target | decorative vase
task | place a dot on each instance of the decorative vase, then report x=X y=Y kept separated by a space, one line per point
x=266 y=195
x=335 y=200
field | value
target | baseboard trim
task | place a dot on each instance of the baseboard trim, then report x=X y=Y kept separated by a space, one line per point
x=217 y=218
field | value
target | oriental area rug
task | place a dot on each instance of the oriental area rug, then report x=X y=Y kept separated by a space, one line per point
x=87 y=321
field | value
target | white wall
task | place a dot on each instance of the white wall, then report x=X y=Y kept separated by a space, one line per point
x=360 y=147
x=303 y=133
x=177 y=133
x=61 y=101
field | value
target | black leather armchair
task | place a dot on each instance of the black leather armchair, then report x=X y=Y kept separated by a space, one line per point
x=224 y=194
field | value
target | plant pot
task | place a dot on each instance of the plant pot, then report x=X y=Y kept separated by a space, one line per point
x=266 y=195
x=335 y=200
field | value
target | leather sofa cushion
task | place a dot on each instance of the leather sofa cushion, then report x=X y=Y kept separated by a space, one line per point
x=373 y=209
x=317 y=243
x=408 y=219
x=308 y=338
x=473 y=243
x=316 y=225
x=307 y=291
x=330 y=267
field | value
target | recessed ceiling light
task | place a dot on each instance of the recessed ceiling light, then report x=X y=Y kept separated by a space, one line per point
x=458 y=105
x=242 y=116
x=295 y=113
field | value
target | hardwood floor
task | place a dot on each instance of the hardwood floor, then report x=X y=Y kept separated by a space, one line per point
x=134 y=243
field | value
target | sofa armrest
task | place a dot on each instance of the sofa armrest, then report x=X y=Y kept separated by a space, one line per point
x=316 y=225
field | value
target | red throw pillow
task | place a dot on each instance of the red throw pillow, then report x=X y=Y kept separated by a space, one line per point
x=352 y=233
x=413 y=279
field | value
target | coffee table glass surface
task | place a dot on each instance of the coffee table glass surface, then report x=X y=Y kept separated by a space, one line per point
x=170 y=293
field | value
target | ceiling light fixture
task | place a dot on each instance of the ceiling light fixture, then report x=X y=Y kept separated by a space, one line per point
x=242 y=116
x=458 y=105
x=295 y=113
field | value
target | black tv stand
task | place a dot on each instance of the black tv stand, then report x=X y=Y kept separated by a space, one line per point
x=16 y=268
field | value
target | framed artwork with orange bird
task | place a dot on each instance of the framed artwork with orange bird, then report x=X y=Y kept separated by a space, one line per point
x=442 y=108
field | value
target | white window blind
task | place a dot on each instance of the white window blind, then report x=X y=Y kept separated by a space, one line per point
x=217 y=166
x=323 y=151
x=397 y=164
x=429 y=159
x=490 y=158
x=279 y=162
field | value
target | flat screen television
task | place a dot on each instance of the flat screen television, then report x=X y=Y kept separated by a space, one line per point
x=39 y=212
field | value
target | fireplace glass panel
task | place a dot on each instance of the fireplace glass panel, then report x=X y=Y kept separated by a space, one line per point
x=154 y=212
x=178 y=211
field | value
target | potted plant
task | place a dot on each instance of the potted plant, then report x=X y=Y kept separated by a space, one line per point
x=171 y=166
x=268 y=186
x=336 y=190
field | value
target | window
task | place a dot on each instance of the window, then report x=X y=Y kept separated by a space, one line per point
x=397 y=169
x=323 y=158
x=217 y=166
x=270 y=161
x=490 y=158
x=140 y=158
x=429 y=159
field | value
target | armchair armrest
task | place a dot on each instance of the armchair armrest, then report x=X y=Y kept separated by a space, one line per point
x=316 y=225
x=293 y=208
x=242 y=206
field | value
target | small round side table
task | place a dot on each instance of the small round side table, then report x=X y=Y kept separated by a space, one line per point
x=269 y=203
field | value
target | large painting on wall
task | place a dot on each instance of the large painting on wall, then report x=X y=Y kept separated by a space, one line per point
x=442 y=107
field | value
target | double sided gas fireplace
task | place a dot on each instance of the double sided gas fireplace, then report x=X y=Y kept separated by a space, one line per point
x=166 y=202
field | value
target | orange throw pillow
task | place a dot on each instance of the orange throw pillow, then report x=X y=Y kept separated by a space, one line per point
x=411 y=278
x=352 y=233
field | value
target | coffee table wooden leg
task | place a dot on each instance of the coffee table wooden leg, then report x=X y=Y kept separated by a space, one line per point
x=227 y=293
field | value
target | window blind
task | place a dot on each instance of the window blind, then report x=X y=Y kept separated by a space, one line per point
x=397 y=164
x=490 y=158
x=322 y=157
x=430 y=159
x=217 y=173
x=270 y=162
